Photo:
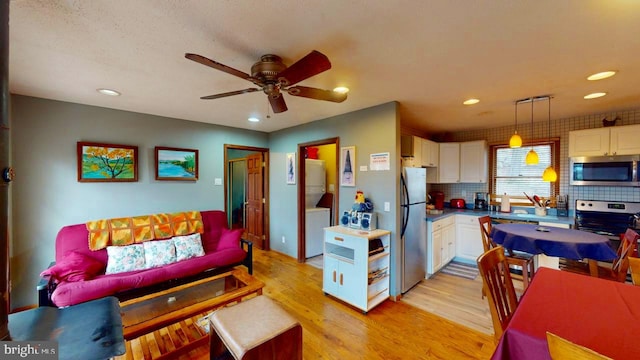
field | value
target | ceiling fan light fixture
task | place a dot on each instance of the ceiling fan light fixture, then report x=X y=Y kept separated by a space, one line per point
x=601 y=75
x=253 y=119
x=108 y=92
x=341 y=89
x=594 y=95
x=471 y=101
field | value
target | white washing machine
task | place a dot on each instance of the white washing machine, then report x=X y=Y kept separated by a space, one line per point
x=316 y=219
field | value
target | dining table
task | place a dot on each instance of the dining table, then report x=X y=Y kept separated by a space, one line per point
x=599 y=314
x=555 y=242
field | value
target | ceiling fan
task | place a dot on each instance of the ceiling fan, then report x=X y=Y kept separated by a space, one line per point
x=273 y=77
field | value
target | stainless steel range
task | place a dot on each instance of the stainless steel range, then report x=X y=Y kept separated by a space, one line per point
x=609 y=218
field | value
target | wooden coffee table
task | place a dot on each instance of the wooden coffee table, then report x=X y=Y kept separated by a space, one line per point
x=146 y=314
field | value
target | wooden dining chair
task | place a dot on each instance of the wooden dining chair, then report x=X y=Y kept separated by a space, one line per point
x=634 y=267
x=562 y=349
x=498 y=287
x=514 y=258
x=620 y=266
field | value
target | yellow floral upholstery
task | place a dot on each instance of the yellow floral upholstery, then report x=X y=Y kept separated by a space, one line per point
x=138 y=229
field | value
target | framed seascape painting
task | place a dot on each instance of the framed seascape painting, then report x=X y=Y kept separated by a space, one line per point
x=291 y=168
x=107 y=162
x=176 y=164
x=348 y=166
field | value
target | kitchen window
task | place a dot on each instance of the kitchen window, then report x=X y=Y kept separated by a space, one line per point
x=510 y=174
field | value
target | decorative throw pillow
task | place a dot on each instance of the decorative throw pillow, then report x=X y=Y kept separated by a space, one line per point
x=230 y=238
x=74 y=267
x=125 y=258
x=188 y=246
x=158 y=253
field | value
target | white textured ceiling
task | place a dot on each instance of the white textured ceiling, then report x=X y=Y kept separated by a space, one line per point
x=429 y=55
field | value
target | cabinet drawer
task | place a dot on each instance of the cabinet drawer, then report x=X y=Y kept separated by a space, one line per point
x=439 y=224
x=343 y=240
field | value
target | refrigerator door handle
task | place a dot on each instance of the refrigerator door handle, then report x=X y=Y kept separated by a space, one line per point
x=405 y=211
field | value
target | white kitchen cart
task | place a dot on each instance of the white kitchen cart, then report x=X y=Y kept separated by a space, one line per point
x=349 y=272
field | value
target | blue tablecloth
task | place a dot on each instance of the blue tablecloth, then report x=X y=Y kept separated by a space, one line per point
x=559 y=242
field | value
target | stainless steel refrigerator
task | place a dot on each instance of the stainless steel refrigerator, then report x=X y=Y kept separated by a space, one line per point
x=413 y=201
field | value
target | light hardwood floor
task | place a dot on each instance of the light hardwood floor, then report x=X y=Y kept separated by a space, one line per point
x=335 y=330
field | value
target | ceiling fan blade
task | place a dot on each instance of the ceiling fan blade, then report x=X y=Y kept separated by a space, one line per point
x=230 y=93
x=216 y=65
x=277 y=103
x=318 y=94
x=312 y=64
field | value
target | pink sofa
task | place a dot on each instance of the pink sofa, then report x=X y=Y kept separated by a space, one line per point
x=223 y=249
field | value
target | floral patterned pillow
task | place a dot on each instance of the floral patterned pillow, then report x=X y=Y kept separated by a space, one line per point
x=188 y=246
x=158 y=253
x=125 y=258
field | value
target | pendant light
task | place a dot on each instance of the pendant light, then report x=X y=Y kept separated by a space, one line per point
x=532 y=156
x=549 y=173
x=516 y=140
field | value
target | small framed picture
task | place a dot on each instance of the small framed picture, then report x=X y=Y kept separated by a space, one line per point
x=290 y=168
x=176 y=164
x=99 y=162
x=348 y=166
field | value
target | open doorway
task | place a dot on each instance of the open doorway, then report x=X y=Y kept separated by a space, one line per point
x=246 y=184
x=317 y=201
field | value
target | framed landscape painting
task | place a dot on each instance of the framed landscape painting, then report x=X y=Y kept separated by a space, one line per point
x=107 y=162
x=176 y=164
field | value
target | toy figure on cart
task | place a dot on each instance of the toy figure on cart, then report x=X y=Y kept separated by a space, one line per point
x=362 y=204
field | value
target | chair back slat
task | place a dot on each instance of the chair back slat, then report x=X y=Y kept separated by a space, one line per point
x=627 y=246
x=498 y=286
x=485 y=230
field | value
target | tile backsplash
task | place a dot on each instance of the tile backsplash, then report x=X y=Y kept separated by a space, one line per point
x=559 y=129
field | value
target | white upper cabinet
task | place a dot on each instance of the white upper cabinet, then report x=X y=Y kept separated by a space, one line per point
x=624 y=140
x=589 y=142
x=617 y=140
x=411 y=150
x=430 y=153
x=419 y=152
x=449 y=166
x=461 y=162
x=473 y=161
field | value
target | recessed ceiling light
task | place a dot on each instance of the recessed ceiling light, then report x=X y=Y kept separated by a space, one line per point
x=595 y=95
x=253 y=119
x=601 y=75
x=341 y=89
x=471 y=101
x=108 y=92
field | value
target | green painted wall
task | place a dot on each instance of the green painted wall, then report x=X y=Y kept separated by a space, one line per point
x=47 y=196
x=372 y=130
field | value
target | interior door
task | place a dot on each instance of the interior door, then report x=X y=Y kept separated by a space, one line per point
x=237 y=192
x=254 y=205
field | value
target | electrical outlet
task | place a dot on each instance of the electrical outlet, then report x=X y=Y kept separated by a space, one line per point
x=283 y=241
x=463 y=193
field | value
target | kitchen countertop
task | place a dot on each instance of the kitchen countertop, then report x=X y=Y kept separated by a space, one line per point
x=552 y=218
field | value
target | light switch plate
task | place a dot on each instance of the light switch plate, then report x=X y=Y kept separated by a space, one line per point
x=363 y=167
x=387 y=206
x=217 y=181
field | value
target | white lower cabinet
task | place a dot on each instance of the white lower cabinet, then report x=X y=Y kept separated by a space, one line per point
x=349 y=273
x=468 y=238
x=441 y=240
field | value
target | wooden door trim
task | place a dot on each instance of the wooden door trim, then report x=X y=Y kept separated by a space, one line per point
x=301 y=193
x=265 y=184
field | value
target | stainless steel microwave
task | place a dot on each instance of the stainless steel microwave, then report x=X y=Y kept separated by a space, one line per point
x=604 y=170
